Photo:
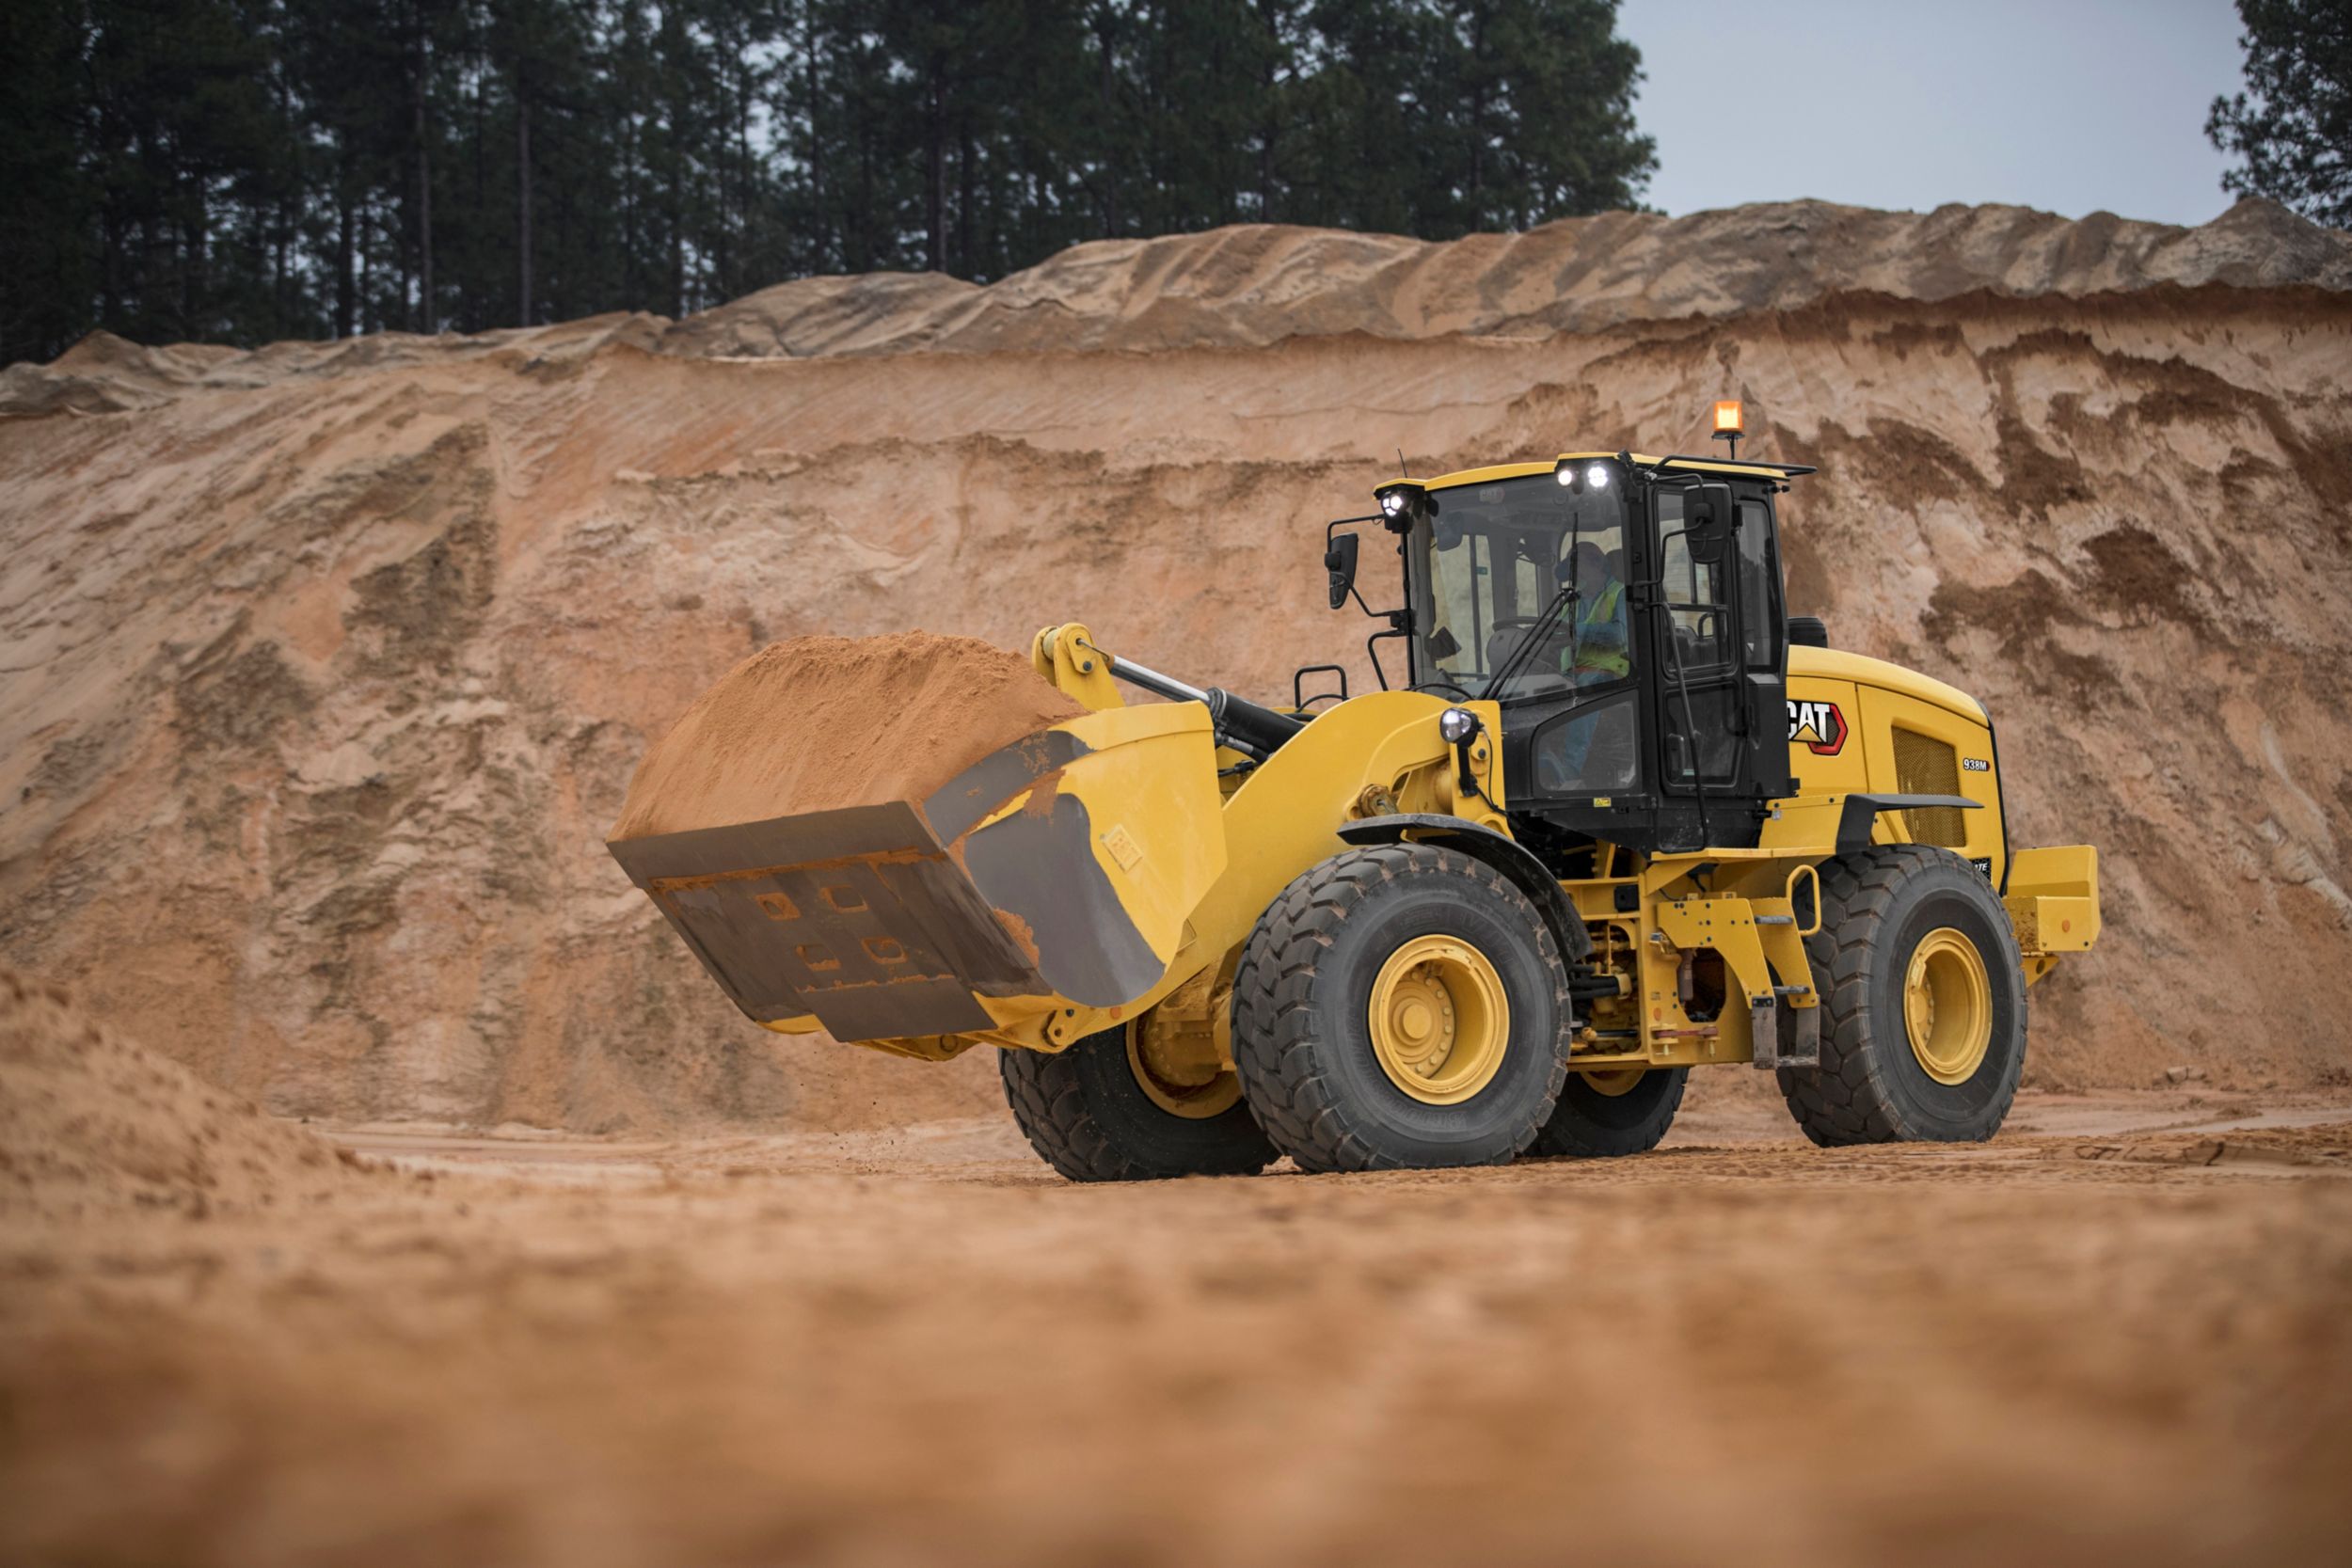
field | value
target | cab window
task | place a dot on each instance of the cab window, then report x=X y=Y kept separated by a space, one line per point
x=1588 y=751
x=1760 y=623
x=1694 y=607
x=1498 y=557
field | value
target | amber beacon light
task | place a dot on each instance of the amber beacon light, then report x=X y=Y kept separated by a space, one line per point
x=1727 y=425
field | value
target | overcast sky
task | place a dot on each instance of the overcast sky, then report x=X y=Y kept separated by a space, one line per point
x=2069 y=106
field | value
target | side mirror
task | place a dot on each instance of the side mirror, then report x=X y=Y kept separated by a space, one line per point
x=1339 y=559
x=1706 y=522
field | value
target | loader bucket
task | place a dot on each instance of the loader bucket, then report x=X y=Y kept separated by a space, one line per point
x=1057 y=871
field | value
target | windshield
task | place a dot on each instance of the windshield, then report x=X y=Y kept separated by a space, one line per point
x=1497 y=558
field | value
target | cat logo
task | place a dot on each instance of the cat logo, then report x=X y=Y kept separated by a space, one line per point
x=1816 y=726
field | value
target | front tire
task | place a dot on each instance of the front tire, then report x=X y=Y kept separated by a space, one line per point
x=1401 y=1007
x=1089 y=1113
x=1923 y=997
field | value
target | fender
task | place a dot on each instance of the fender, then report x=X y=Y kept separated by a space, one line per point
x=1507 y=855
x=1861 y=811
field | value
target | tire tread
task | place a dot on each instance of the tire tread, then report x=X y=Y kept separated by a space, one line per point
x=1049 y=1105
x=1843 y=1102
x=1274 y=993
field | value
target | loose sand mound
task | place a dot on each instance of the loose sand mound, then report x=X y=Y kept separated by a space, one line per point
x=90 y=1121
x=818 y=723
x=327 y=671
x=1256 y=285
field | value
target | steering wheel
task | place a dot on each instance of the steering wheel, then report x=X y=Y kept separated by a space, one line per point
x=1503 y=625
x=1462 y=691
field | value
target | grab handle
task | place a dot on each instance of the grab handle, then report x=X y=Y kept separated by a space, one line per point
x=1791 y=892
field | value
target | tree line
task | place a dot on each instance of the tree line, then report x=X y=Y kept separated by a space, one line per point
x=2293 y=125
x=243 y=170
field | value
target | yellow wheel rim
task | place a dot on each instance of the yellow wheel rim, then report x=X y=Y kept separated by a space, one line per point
x=1947 y=1006
x=1441 y=1022
x=1614 y=1083
x=1180 y=1089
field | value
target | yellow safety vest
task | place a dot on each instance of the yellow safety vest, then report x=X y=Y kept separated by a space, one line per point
x=1609 y=660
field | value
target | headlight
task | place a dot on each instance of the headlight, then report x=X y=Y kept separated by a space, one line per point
x=1457 y=724
x=1577 y=478
x=1393 y=503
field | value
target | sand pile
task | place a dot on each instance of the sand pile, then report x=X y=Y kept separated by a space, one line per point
x=90 y=1121
x=330 y=669
x=818 y=723
x=1252 y=285
x=1257 y=285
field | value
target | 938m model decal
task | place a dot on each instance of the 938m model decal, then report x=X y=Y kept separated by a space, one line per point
x=1816 y=726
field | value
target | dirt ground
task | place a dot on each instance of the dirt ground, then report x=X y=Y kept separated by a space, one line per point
x=2122 y=1328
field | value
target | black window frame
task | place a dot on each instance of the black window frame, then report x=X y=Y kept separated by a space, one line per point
x=1775 y=610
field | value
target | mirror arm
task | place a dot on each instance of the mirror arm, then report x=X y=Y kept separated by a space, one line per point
x=1400 y=625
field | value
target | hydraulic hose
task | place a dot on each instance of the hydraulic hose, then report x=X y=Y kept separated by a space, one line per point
x=1239 y=722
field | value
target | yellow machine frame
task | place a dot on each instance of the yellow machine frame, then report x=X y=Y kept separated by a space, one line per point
x=1381 y=754
x=1695 y=967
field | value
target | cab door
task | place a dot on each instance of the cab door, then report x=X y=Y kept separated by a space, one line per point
x=1762 y=619
x=1698 y=694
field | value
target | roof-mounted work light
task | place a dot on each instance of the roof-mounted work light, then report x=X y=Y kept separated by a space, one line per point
x=1580 y=474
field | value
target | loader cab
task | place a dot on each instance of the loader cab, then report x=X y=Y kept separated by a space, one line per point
x=1627 y=615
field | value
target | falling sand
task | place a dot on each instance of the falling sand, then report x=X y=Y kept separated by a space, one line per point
x=818 y=723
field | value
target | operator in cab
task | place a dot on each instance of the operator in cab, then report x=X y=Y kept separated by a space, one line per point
x=1603 y=630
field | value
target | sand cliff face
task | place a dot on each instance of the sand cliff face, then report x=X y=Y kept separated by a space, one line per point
x=326 y=665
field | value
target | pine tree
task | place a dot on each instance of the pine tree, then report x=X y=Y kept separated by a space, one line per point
x=50 y=250
x=2295 y=131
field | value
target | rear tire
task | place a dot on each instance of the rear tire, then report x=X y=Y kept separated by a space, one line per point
x=1085 y=1110
x=1591 y=1123
x=1923 y=998
x=1462 y=967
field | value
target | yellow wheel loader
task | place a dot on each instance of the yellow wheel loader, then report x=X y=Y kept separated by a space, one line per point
x=1613 y=815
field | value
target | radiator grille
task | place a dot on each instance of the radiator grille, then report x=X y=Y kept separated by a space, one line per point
x=1926 y=767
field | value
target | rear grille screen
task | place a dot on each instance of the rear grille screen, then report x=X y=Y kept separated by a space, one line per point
x=1925 y=767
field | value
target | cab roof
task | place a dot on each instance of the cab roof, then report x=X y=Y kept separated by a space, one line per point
x=1773 y=472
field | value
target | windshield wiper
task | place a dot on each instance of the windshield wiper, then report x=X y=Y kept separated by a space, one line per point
x=1550 y=617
